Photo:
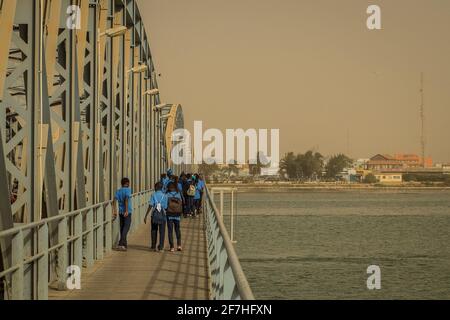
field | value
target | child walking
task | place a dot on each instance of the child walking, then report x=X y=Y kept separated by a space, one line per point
x=174 y=211
x=123 y=198
x=158 y=207
x=197 y=196
x=190 y=193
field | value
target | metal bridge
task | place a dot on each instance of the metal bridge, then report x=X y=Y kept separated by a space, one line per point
x=80 y=108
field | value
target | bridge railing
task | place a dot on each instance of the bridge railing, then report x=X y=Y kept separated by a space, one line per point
x=75 y=239
x=228 y=281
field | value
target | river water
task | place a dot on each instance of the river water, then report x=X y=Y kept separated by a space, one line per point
x=318 y=245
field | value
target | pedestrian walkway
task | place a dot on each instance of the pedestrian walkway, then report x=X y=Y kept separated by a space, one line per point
x=140 y=274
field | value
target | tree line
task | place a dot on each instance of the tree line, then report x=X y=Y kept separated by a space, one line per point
x=311 y=166
x=306 y=167
x=254 y=168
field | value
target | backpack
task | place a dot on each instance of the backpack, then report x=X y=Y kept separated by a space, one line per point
x=158 y=214
x=191 y=190
x=175 y=206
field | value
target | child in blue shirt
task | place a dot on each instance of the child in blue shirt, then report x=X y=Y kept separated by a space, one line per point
x=166 y=178
x=158 y=207
x=174 y=211
x=188 y=197
x=164 y=181
x=179 y=184
x=198 y=194
x=123 y=198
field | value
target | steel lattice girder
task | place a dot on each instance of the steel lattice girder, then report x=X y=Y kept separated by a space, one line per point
x=172 y=119
x=75 y=116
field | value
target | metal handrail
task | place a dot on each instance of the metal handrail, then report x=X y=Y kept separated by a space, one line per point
x=57 y=218
x=228 y=281
x=84 y=235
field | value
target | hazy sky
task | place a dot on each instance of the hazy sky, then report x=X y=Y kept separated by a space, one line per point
x=310 y=68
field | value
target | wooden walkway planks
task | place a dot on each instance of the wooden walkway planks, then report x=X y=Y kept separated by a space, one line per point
x=140 y=274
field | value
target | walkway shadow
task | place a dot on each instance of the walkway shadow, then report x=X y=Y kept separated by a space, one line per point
x=139 y=248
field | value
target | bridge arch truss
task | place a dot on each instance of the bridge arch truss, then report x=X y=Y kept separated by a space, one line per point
x=77 y=107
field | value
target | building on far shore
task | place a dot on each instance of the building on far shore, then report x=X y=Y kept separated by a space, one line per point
x=244 y=170
x=386 y=162
x=360 y=163
x=444 y=166
x=388 y=178
x=414 y=161
x=381 y=162
x=271 y=171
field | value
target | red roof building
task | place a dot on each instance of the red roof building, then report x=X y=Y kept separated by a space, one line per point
x=386 y=162
x=383 y=162
x=414 y=161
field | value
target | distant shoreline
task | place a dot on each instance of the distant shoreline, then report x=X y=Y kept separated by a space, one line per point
x=325 y=187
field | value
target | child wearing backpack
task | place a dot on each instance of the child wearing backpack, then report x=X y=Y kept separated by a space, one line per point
x=190 y=194
x=174 y=211
x=158 y=207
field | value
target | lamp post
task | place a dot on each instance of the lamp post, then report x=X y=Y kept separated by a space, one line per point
x=110 y=33
x=160 y=139
x=137 y=69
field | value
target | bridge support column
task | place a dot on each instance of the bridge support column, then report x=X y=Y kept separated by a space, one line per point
x=62 y=263
x=17 y=259
x=99 y=233
x=108 y=228
x=77 y=259
x=89 y=248
x=42 y=265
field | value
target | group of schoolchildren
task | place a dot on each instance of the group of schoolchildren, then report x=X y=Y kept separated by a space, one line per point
x=174 y=197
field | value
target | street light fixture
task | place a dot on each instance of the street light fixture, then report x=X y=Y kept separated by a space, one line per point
x=159 y=107
x=151 y=92
x=114 y=32
x=139 y=69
